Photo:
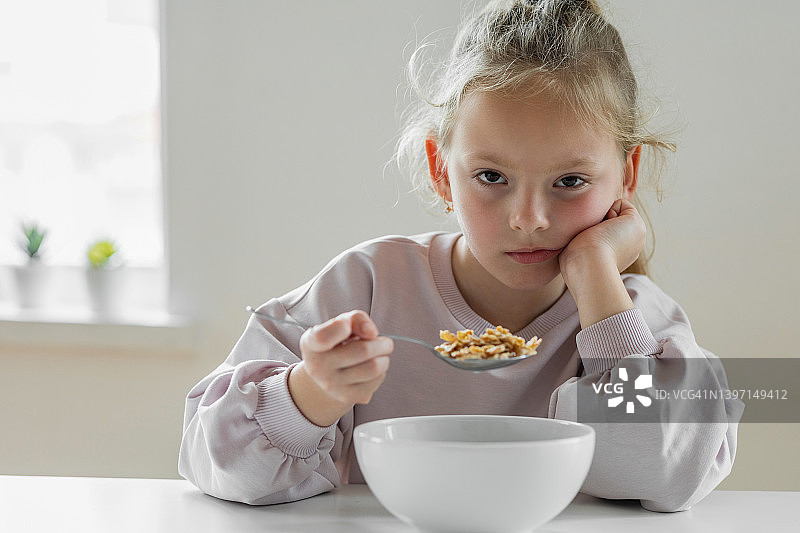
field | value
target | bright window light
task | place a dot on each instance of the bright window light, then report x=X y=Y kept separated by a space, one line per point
x=80 y=128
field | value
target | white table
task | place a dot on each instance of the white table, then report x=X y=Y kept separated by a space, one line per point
x=104 y=505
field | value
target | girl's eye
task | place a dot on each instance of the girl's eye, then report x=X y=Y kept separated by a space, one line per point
x=571 y=182
x=489 y=177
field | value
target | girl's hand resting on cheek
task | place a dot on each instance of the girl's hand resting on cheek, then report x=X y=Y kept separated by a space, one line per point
x=618 y=239
x=344 y=362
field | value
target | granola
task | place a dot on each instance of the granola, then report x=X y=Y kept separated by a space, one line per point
x=496 y=343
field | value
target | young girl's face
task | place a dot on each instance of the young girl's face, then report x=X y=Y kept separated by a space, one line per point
x=525 y=177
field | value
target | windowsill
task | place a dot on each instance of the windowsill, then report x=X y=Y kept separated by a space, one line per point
x=65 y=320
x=76 y=327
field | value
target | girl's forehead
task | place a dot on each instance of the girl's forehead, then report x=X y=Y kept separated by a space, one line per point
x=507 y=123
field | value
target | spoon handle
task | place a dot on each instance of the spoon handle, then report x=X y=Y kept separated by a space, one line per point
x=276 y=319
x=408 y=339
x=306 y=326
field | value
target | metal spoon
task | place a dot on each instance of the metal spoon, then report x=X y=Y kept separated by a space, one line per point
x=475 y=365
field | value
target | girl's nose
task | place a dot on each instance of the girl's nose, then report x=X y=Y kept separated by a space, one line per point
x=529 y=214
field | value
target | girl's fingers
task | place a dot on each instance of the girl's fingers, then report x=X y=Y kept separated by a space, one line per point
x=330 y=334
x=625 y=205
x=362 y=325
x=363 y=373
x=619 y=207
x=366 y=371
x=352 y=352
x=332 y=371
x=346 y=357
x=326 y=336
x=359 y=351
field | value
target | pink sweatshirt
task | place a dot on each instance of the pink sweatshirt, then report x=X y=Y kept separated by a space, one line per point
x=245 y=440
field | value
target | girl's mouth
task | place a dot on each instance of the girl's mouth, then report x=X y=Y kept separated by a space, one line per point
x=527 y=257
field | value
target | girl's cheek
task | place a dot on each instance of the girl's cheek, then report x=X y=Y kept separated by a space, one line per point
x=584 y=213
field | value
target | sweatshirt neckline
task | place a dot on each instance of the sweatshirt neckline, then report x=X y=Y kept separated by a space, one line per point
x=440 y=257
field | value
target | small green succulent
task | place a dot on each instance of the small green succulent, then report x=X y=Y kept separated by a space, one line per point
x=34 y=236
x=100 y=253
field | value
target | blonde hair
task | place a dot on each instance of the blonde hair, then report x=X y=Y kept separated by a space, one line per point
x=566 y=48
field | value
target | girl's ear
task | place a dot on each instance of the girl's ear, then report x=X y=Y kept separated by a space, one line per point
x=438 y=170
x=631 y=179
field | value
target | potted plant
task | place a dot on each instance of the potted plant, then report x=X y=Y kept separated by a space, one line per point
x=103 y=277
x=32 y=277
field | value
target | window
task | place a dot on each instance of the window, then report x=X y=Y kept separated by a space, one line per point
x=80 y=128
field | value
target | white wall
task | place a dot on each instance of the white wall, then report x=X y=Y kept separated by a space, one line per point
x=726 y=246
x=280 y=117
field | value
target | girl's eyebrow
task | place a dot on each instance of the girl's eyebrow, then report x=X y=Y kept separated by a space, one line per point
x=578 y=161
x=488 y=157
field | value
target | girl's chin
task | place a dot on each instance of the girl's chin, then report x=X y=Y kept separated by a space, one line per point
x=530 y=281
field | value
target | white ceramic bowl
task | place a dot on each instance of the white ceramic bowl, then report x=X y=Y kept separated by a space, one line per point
x=474 y=473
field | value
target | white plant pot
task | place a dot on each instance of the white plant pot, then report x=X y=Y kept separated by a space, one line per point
x=33 y=285
x=105 y=288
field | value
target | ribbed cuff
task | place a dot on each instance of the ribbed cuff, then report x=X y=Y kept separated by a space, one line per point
x=282 y=422
x=603 y=344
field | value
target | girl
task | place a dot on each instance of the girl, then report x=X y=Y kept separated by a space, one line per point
x=533 y=139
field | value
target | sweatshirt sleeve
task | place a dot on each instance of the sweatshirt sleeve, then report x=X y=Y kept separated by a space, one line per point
x=680 y=452
x=244 y=439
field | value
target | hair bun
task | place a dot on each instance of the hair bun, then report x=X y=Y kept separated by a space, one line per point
x=595 y=7
x=591 y=5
